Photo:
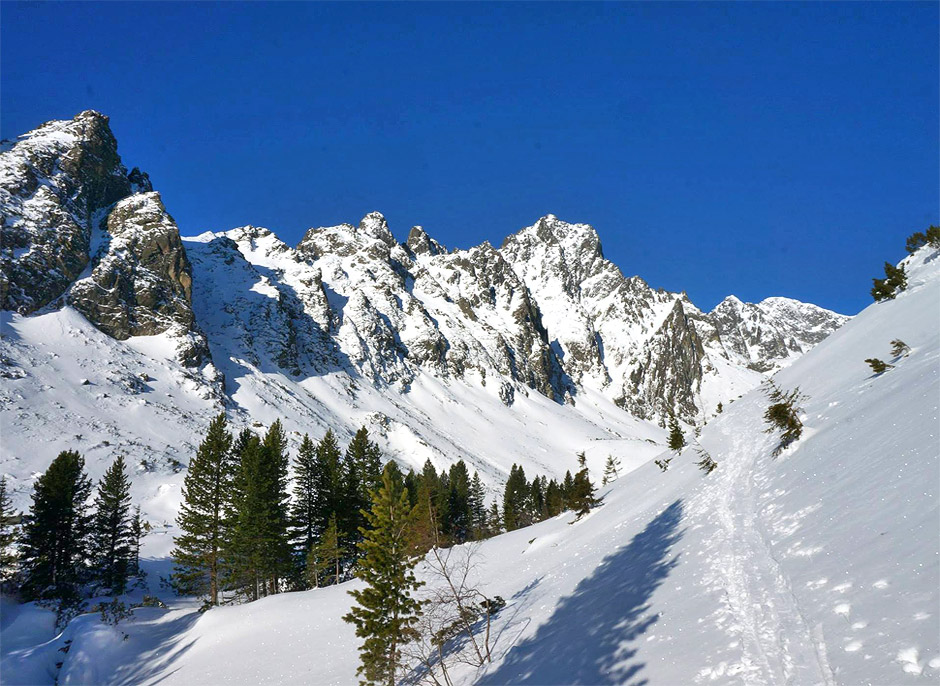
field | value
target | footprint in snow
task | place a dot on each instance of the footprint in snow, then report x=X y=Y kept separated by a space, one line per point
x=908 y=659
x=842 y=609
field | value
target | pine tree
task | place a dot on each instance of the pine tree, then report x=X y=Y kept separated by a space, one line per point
x=459 y=521
x=54 y=546
x=277 y=548
x=494 y=520
x=611 y=469
x=304 y=507
x=329 y=482
x=8 y=557
x=386 y=612
x=204 y=515
x=477 y=506
x=899 y=347
x=516 y=500
x=582 y=492
x=326 y=556
x=567 y=487
x=676 y=438
x=554 y=499
x=112 y=530
x=719 y=409
x=894 y=282
x=361 y=473
x=259 y=555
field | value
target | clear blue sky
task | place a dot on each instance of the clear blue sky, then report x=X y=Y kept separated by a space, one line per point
x=755 y=149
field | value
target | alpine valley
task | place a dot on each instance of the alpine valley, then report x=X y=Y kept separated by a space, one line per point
x=121 y=336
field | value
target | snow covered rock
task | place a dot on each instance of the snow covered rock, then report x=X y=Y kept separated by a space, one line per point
x=142 y=282
x=56 y=183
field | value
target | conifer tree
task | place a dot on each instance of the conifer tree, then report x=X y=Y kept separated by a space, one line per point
x=55 y=534
x=611 y=469
x=329 y=481
x=494 y=520
x=582 y=491
x=8 y=555
x=676 y=438
x=567 y=487
x=386 y=611
x=554 y=499
x=204 y=515
x=112 y=529
x=137 y=534
x=459 y=520
x=304 y=507
x=894 y=282
x=326 y=557
x=719 y=409
x=477 y=506
x=516 y=500
x=275 y=462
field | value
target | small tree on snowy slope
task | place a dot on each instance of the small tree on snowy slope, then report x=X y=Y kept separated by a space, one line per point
x=676 y=438
x=611 y=470
x=112 y=536
x=386 y=612
x=203 y=518
x=582 y=491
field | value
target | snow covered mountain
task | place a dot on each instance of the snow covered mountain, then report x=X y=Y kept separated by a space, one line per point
x=118 y=334
x=818 y=566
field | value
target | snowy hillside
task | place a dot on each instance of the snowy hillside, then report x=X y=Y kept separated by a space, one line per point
x=819 y=566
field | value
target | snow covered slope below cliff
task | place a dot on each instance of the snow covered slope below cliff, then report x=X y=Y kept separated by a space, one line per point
x=819 y=566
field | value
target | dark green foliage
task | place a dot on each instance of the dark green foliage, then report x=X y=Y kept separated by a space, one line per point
x=329 y=482
x=705 y=462
x=204 y=515
x=878 y=366
x=516 y=500
x=899 y=347
x=259 y=556
x=554 y=499
x=325 y=558
x=303 y=509
x=137 y=534
x=459 y=522
x=783 y=414
x=54 y=546
x=664 y=463
x=8 y=557
x=361 y=473
x=112 y=534
x=917 y=239
x=894 y=282
x=477 y=506
x=718 y=410
x=582 y=493
x=676 y=439
x=386 y=612
x=494 y=520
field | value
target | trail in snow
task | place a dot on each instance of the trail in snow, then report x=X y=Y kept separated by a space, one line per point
x=758 y=609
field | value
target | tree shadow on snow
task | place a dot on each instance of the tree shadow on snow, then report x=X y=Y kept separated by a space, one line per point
x=590 y=637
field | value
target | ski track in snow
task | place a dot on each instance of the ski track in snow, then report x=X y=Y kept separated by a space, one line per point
x=758 y=611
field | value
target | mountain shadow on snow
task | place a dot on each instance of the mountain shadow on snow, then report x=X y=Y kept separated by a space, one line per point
x=589 y=638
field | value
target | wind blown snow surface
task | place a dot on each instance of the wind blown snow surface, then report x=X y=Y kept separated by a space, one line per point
x=819 y=566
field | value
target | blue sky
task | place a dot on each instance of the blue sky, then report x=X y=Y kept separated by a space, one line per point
x=755 y=149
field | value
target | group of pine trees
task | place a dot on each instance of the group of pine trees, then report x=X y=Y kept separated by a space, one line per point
x=247 y=530
x=66 y=551
x=241 y=533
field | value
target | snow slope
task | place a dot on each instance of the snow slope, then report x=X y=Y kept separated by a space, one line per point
x=819 y=566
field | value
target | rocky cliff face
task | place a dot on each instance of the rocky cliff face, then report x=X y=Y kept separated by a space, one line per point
x=544 y=313
x=64 y=194
x=56 y=184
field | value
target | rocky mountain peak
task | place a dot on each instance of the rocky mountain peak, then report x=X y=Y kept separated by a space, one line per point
x=420 y=243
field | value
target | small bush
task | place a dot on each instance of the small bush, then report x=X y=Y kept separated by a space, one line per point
x=894 y=282
x=898 y=348
x=705 y=462
x=783 y=414
x=114 y=612
x=878 y=366
x=918 y=240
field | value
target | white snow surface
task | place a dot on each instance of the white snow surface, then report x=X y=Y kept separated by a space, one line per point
x=819 y=566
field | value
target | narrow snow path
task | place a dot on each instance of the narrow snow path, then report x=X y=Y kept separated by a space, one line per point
x=758 y=609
